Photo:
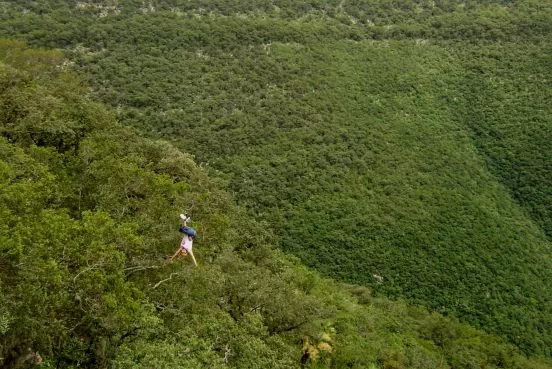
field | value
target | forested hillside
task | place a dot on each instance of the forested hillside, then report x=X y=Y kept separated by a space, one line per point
x=408 y=140
x=88 y=210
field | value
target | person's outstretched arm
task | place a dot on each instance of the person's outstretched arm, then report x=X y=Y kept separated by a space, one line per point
x=175 y=254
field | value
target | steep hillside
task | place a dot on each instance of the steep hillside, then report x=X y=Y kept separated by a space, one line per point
x=409 y=141
x=88 y=210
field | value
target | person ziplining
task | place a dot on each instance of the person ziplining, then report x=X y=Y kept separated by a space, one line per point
x=187 y=241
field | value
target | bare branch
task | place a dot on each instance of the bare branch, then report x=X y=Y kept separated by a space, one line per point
x=164 y=280
x=139 y=268
x=95 y=266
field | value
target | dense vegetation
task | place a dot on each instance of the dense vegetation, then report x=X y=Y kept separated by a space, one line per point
x=410 y=140
x=88 y=211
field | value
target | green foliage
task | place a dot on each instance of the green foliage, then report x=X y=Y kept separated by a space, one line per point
x=418 y=159
x=421 y=161
x=83 y=282
x=223 y=24
x=515 y=138
x=370 y=151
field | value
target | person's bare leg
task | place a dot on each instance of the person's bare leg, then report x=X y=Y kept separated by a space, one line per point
x=193 y=258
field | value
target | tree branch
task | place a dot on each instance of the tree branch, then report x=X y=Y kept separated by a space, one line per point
x=139 y=268
x=95 y=266
x=164 y=280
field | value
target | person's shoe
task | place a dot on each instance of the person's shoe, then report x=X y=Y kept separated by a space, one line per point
x=183 y=217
